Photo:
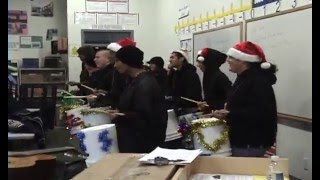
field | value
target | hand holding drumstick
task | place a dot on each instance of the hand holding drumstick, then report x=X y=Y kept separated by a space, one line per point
x=221 y=113
x=94 y=91
x=203 y=106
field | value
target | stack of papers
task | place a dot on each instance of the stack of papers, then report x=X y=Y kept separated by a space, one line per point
x=175 y=156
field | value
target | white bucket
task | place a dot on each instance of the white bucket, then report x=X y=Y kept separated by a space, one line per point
x=172 y=127
x=98 y=141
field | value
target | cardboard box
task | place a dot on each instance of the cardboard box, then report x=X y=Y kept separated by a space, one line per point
x=125 y=166
x=228 y=165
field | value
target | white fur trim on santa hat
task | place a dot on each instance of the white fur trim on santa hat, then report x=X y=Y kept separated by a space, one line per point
x=114 y=47
x=199 y=52
x=235 y=53
x=184 y=54
x=200 y=58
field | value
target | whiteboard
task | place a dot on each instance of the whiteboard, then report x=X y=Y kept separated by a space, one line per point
x=220 y=39
x=287 y=41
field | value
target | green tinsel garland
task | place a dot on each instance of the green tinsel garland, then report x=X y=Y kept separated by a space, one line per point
x=86 y=112
x=216 y=145
x=68 y=103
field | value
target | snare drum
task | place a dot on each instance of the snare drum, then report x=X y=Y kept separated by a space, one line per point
x=211 y=136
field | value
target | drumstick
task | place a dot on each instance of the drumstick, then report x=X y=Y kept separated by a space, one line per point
x=64 y=91
x=107 y=112
x=120 y=114
x=191 y=100
x=79 y=97
x=87 y=87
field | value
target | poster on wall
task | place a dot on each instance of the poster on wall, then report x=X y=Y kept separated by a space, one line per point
x=31 y=42
x=96 y=6
x=118 y=7
x=51 y=34
x=73 y=48
x=186 y=44
x=43 y=8
x=13 y=42
x=17 y=22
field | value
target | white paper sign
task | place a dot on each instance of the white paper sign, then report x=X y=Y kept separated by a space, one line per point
x=120 y=7
x=97 y=6
x=128 y=19
x=184 y=11
x=84 y=18
x=106 y=18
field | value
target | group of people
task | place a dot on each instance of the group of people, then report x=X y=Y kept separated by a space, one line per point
x=144 y=96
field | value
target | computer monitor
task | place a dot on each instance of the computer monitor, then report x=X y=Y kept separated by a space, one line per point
x=30 y=62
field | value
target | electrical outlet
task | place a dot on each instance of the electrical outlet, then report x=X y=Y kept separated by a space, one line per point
x=306 y=163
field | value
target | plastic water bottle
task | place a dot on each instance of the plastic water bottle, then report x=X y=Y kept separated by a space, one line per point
x=274 y=171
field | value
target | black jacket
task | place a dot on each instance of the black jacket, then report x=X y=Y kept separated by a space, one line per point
x=110 y=80
x=107 y=79
x=161 y=77
x=143 y=127
x=84 y=74
x=184 y=82
x=215 y=88
x=253 y=112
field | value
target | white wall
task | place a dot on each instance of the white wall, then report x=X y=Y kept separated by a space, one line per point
x=37 y=26
x=296 y=145
x=144 y=34
x=293 y=143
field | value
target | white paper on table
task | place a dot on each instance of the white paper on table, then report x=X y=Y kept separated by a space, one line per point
x=187 y=156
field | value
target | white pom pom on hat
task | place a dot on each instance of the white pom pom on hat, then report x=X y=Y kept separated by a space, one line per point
x=200 y=58
x=265 y=65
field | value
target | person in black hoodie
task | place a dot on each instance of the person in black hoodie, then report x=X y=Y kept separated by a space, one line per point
x=142 y=127
x=156 y=68
x=183 y=82
x=85 y=53
x=251 y=111
x=215 y=83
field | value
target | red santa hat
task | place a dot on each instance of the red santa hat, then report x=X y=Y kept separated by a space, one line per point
x=115 y=46
x=249 y=52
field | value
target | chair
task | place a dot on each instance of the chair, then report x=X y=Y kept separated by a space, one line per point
x=42 y=97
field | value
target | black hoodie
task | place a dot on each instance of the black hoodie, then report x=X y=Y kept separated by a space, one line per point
x=184 y=82
x=253 y=112
x=215 y=83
